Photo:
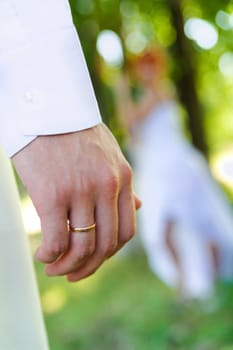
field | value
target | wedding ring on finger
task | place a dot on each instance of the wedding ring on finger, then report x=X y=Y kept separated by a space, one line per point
x=82 y=229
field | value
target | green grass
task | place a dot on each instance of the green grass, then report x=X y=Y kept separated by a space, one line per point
x=125 y=307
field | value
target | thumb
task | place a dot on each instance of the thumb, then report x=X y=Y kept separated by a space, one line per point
x=137 y=201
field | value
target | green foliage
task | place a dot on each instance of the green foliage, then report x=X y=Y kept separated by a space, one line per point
x=125 y=307
x=152 y=18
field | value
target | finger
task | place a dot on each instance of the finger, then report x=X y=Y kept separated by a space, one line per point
x=127 y=220
x=55 y=238
x=137 y=201
x=126 y=212
x=106 y=238
x=82 y=245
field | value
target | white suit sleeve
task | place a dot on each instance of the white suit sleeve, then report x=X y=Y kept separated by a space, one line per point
x=45 y=87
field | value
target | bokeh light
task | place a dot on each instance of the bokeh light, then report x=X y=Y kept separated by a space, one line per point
x=226 y=64
x=224 y=20
x=136 y=42
x=109 y=47
x=202 y=32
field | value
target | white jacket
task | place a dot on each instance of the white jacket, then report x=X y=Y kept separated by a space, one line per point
x=44 y=83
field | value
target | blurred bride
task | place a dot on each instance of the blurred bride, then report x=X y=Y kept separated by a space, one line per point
x=21 y=321
x=186 y=222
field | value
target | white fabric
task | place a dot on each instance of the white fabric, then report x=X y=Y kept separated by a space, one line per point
x=175 y=184
x=21 y=322
x=44 y=83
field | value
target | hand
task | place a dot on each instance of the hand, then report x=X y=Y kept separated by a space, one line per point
x=84 y=178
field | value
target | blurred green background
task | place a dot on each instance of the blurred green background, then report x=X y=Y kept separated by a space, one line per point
x=123 y=306
x=198 y=37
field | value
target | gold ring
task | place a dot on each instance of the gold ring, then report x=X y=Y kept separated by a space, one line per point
x=82 y=229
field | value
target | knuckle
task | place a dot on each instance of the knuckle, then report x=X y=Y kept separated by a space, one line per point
x=57 y=248
x=87 y=252
x=126 y=173
x=90 y=250
x=110 y=183
x=81 y=255
x=56 y=194
x=55 y=198
x=127 y=235
x=108 y=249
x=84 y=187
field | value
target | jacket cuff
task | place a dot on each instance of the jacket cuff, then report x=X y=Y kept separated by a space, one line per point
x=45 y=90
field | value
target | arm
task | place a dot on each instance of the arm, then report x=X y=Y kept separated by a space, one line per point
x=79 y=175
x=132 y=112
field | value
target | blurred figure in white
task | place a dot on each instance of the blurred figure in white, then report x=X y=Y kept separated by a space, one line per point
x=21 y=322
x=186 y=222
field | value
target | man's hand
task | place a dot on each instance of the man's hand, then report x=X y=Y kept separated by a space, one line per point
x=84 y=178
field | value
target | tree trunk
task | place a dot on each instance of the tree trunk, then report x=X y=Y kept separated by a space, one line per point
x=184 y=57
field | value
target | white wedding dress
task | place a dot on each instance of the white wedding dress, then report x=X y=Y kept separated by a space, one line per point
x=21 y=321
x=175 y=184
